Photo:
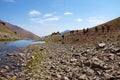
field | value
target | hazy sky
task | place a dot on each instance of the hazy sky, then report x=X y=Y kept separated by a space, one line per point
x=43 y=17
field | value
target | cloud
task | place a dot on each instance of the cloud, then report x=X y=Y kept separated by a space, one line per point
x=68 y=13
x=34 y=13
x=48 y=15
x=95 y=20
x=79 y=20
x=8 y=0
x=52 y=19
x=42 y=21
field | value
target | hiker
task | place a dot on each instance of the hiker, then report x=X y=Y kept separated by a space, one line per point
x=71 y=32
x=87 y=30
x=77 y=31
x=63 y=36
x=96 y=29
x=108 y=28
x=103 y=28
x=84 y=31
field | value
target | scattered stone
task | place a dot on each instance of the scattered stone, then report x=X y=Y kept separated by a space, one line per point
x=73 y=60
x=96 y=63
x=58 y=76
x=115 y=50
x=76 y=55
x=118 y=54
x=32 y=57
x=6 y=67
x=83 y=77
x=101 y=45
x=109 y=77
x=66 y=78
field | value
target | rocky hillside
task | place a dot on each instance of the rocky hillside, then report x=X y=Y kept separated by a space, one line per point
x=17 y=30
x=78 y=37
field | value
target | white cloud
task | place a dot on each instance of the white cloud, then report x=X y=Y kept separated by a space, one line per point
x=79 y=20
x=34 y=13
x=68 y=13
x=52 y=19
x=95 y=20
x=48 y=15
x=8 y=0
x=42 y=21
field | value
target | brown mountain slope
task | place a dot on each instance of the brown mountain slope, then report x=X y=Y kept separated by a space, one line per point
x=78 y=37
x=20 y=31
x=6 y=34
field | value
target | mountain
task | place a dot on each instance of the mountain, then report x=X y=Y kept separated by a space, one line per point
x=66 y=31
x=78 y=37
x=13 y=29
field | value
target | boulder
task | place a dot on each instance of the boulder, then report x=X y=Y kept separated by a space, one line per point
x=100 y=45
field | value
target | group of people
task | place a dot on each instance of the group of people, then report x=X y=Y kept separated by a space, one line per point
x=103 y=28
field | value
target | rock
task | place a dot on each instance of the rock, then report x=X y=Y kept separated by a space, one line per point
x=118 y=54
x=52 y=67
x=76 y=55
x=10 y=54
x=58 y=76
x=73 y=60
x=90 y=72
x=87 y=63
x=3 y=78
x=41 y=49
x=96 y=63
x=3 y=70
x=111 y=56
x=66 y=78
x=14 y=78
x=101 y=45
x=115 y=50
x=23 y=64
x=109 y=77
x=72 y=48
x=21 y=54
x=119 y=64
x=88 y=51
x=83 y=77
x=63 y=62
x=6 y=67
x=32 y=57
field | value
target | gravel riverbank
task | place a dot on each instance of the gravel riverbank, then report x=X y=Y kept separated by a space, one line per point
x=76 y=62
x=63 y=62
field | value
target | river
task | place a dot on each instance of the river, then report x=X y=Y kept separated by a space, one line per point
x=11 y=46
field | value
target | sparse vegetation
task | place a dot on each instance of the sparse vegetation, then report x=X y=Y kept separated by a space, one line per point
x=35 y=62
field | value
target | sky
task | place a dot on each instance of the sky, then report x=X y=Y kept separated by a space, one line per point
x=42 y=17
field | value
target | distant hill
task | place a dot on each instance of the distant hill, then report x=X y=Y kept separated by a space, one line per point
x=64 y=32
x=78 y=37
x=9 y=29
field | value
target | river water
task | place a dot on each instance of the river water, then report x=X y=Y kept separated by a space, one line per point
x=11 y=46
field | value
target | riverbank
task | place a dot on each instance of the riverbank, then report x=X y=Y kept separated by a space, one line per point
x=13 y=56
x=73 y=62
